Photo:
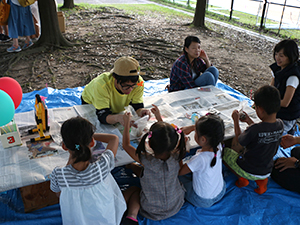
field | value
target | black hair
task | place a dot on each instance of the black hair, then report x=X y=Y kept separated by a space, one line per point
x=187 y=42
x=163 y=139
x=124 y=79
x=268 y=97
x=290 y=50
x=211 y=127
x=77 y=134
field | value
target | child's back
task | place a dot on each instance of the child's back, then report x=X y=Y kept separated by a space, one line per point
x=205 y=186
x=88 y=192
x=162 y=194
x=261 y=142
x=159 y=151
x=251 y=156
x=87 y=195
x=208 y=181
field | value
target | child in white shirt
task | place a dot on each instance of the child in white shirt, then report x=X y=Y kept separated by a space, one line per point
x=206 y=186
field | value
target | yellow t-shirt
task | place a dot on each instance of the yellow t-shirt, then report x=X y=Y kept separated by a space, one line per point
x=101 y=92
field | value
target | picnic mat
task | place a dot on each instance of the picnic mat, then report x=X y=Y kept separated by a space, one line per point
x=238 y=206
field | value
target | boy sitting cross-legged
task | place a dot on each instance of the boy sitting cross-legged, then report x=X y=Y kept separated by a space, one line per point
x=251 y=156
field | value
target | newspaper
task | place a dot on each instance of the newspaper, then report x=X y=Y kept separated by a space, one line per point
x=32 y=163
x=178 y=107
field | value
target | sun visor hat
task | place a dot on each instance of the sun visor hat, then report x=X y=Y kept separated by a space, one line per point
x=127 y=66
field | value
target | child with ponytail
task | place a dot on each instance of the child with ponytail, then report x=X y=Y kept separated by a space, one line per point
x=159 y=151
x=206 y=186
x=88 y=192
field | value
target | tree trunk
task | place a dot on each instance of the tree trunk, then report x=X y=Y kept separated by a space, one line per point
x=199 y=16
x=50 y=32
x=68 y=4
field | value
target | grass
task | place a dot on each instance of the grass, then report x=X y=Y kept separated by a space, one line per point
x=245 y=20
x=140 y=9
x=253 y=22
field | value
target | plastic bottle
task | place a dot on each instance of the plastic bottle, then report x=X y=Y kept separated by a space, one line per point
x=194 y=117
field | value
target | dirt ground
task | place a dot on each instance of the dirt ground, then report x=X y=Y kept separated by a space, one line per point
x=101 y=36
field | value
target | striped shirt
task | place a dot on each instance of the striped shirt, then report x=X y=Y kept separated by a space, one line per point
x=80 y=179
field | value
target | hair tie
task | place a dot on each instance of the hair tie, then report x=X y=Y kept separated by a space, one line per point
x=148 y=149
x=77 y=147
x=179 y=131
x=215 y=155
x=176 y=128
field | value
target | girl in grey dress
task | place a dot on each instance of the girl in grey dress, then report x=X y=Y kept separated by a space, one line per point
x=159 y=151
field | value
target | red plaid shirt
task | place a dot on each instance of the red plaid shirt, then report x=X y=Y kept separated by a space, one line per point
x=181 y=73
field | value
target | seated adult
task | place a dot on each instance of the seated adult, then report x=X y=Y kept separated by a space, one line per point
x=111 y=91
x=286 y=171
x=187 y=69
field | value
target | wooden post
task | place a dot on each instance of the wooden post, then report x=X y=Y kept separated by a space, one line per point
x=281 y=17
x=231 y=9
x=263 y=14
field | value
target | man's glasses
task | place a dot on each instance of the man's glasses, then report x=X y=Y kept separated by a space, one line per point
x=127 y=87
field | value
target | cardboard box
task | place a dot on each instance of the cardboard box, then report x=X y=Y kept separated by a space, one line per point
x=38 y=196
x=61 y=21
x=10 y=136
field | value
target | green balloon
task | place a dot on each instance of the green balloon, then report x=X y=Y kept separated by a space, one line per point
x=7 y=108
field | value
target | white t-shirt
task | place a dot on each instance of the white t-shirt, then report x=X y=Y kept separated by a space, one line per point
x=207 y=181
x=291 y=81
x=194 y=75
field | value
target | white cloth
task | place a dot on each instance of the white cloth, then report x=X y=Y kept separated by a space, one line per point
x=207 y=181
x=102 y=203
x=35 y=12
x=194 y=75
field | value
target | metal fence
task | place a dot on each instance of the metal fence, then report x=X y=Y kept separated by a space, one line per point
x=273 y=14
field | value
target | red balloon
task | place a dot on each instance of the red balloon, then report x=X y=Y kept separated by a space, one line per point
x=12 y=88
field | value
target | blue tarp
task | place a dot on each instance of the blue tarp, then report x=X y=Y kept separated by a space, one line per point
x=71 y=96
x=238 y=206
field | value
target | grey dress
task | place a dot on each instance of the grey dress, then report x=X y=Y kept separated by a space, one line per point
x=162 y=194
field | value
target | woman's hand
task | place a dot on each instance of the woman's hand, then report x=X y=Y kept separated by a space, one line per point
x=204 y=56
x=285 y=163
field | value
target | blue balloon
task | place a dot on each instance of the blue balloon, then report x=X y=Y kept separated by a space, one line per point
x=7 y=108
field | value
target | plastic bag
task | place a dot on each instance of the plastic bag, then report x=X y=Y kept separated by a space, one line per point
x=55 y=132
x=140 y=124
